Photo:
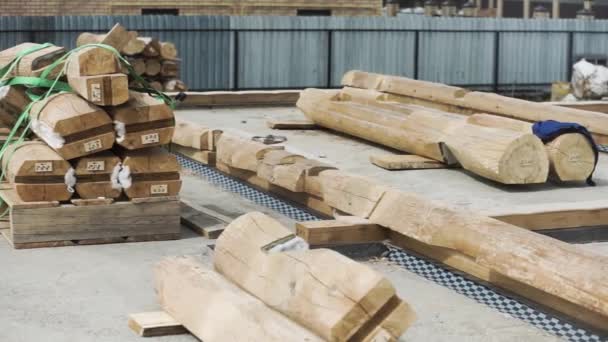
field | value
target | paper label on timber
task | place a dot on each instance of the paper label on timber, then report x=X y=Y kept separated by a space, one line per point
x=43 y=167
x=96 y=165
x=95 y=92
x=159 y=189
x=92 y=145
x=151 y=138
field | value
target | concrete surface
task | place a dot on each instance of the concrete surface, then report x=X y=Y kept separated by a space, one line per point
x=454 y=186
x=85 y=293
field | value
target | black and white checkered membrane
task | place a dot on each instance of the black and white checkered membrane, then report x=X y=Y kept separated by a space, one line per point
x=421 y=266
x=603 y=148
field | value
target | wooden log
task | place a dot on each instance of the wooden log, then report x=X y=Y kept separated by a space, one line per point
x=143 y=121
x=38 y=173
x=32 y=64
x=168 y=50
x=201 y=156
x=134 y=46
x=191 y=134
x=242 y=153
x=102 y=90
x=97 y=176
x=117 y=37
x=72 y=126
x=210 y=306
x=151 y=172
x=570 y=155
x=155 y=323
x=479 y=102
x=138 y=64
x=251 y=253
x=153 y=67
x=174 y=85
x=152 y=47
x=405 y=162
x=13 y=101
x=288 y=170
x=242 y=98
x=504 y=156
x=169 y=68
x=156 y=85
x=92 y=61
x=575 y=279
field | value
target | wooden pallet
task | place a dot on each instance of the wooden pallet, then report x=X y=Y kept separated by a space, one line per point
x=52 y=224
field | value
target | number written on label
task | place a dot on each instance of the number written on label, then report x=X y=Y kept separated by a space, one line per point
x=43 y=167
x=96 y=165
x=158 y=189
x=92 y=145
x=151 y=138
x=95 y=92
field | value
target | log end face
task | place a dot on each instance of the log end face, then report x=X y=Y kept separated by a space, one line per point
x=572 y=157
x=525 y=161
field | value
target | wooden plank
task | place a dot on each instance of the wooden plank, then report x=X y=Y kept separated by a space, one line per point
x=206 y=225
x=592 y=106
x=240 y=98
x=214 y=309
x=405 y=162
x=10 y=197
x=349 y=230
x=93 y=201
x=291 y=281
x=290 y=124
x=119 y=220
x=155 y=323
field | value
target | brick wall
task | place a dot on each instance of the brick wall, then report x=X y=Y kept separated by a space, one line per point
x=187 y=7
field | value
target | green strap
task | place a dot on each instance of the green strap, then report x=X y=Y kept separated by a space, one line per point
x=36 y=82
x=7 y=69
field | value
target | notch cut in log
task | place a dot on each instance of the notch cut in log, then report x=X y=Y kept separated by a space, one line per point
x=13 y=101
x=242 y=153
x=504 y=156
x=478 y=102
x=405 y=162
x=253 y=253
x=210 y=306
x=196 y=136
x=151 y=172
x=32 y=64
x=102 y=90
x=37 y=173
x=92 y=61
x=570 y=155
x=97 y=176
x=345 y=230
x=72 y=126
x=117 y=37
x=143 y=121
x=288 y=170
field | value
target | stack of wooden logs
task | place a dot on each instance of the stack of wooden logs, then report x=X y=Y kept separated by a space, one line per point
x=266 y=282
x=153 y=60
x=454 y=126
x=548 y=271
x=99 y=141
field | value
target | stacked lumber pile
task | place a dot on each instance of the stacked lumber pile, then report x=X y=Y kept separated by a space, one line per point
x=431 y=120
x=545 y=270
x=98 y=141
x=150 y=58
x=266 y=285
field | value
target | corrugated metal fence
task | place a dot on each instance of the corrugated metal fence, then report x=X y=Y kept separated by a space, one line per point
x=297 y=52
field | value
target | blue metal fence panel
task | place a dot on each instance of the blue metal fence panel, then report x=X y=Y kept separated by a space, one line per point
x=292 y=52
